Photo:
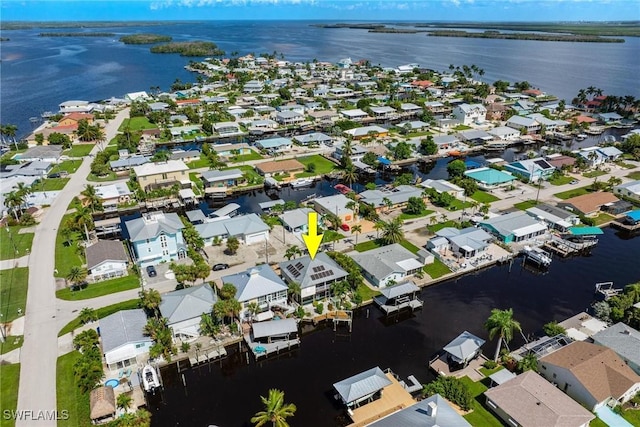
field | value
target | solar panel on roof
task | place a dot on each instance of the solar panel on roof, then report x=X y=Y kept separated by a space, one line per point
x=299 y=266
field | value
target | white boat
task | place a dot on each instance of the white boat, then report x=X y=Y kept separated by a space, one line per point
x=581 y=136
x=537 y=255
x=150 y=380
x=303 y=182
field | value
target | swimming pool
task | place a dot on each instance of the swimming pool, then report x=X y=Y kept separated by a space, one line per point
x=113 y=383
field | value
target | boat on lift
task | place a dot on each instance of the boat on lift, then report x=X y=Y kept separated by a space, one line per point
x=537 y=255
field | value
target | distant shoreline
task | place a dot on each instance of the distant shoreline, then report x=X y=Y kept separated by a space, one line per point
x=526 y=36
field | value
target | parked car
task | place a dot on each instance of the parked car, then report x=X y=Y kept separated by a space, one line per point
x=54 y=175
x=218 y=267
x=574 y=182
x=345 y=227
x=151 y=271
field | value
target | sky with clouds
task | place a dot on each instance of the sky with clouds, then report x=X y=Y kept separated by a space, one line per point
x=342 y=10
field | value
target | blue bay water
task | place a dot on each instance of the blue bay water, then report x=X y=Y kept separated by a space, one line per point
x=38 y=73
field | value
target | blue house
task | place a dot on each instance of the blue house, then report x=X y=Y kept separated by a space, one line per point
x=156 y=237
x=532 y=169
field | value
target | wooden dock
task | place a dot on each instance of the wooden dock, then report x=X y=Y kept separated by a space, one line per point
x=626 y=227
x=401 y=304
x=207 y=355
x=565 y=248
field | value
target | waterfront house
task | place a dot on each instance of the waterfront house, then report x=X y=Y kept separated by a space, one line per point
x=367 y=132
x=184 y=308
x=314 y=138
x=227 y=129
x=125 y=164
x=409 y=108
x=296 y=220
x=181 y=133
x=111 y=195
x=528 y=400
x=588 y=204
x=384 y=112
x=228 y=150
x=156 y=237
x=253 y=86
x=445 y=141
x=315 y=276
x=357 y=152
x=275 y=144
x=164 y=174
x=513 y=227
x=560 y=161
x=102 y=405
x=505 y=133
x=475 y=137
x=447 y=123
x=122 y=338
x=186 y=156
x=434 y=411
x=489 y=178
x=288 y=118
x=611 y=154
x=624 y=340
x=555 y=218
x=531 y=169
x=629 y=189
x=42 y=153
x=591 y=374
x=248 y=229
x=335 y=205
x=470 y=113
x=72 y=119
x=355 y=115
x=276 y=167
x=608 y=118
x=106 y=259
x=398 y=196
x=262 y=125
x=258 y=284
x=387 y=265
x=465 y=243
x=219 y=181
x=75 y=106
x=443 y=186
x=582 y=326
x=413 y=126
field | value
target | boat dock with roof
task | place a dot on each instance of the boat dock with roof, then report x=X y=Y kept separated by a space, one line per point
x=398 y=297
x=272 y=336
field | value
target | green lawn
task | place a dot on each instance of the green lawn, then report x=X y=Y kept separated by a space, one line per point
x=484 y=197
x=69 y=166
x=597 y=422
x=11 y=241
x=9 y=382
x=525 y=205
x=68 y=256
x=417 y=134
x=323 y=166
x=69 y=396
x=372 y=244
x=437 y=269
x=574 y=192
x=111 y=176
x=136 y=123
x=330 y=236
x=593 y=174
x=11 y=343
x=197 y=182
x=458 y=205
x=79 y=150
x=406 y=216
x=13 y=292
x=481 y=416
x=101 y=312
x=50 y=184
x=633 y=416
x=625 y=165
x=486 y=372
x=409 y=246
x=250 y=174
x=366 y=292
x=561 y=180
x=603 y=218
x=462 y=127
x=634 y=175
x=202 y=162
x=246 y=157
x=439 y=226
x=99 y=289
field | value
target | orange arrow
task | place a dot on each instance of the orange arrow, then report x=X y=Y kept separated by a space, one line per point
x=312 y=239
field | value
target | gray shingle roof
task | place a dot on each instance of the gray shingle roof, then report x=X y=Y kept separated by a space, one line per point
x=381 y=262
x=122 y=328
x=622 y=339
x=422 y=414
x=139 y=229
x=187 y=303
x=296 y=217
x=400 y=289
x=310 y=272
x=215 y=176
x=258 y=281
x=105 y=250
x=362 y=384
x=464 y=345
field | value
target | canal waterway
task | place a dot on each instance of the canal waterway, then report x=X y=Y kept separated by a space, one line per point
x=227 y=394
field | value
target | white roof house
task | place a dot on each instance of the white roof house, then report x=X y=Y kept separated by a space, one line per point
x=249 y=229
x=514 y=227
x=169 y=166
x=398 y=196
x=464 y=347
x=354 y=114
x=629 y=189
x=387 y=264
x=361 y=386
x=365 y=131
x=260 y=284
x=470 y=113
x=443 y=186
x=335 y=205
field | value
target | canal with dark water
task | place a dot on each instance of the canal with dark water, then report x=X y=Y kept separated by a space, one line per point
x=228 y=394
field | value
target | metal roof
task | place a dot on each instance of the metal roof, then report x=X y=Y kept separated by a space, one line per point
x=464 y=345
x=296 y=218
x=226 y=210
x=122 y=327
x=434 y=411
x=400 y=289
x=187 y=303
x=257 y=281
x=362 y=384
x=274 y=327
x=383 y=261
x=310 y=272
x=152 y=224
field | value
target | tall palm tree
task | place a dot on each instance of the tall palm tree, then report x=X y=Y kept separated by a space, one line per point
x=11 y=130
x=356 y=229
x=392 y=231
x=349 y=174
x=87 y=315
x=124 y=401
x=275 y=410
x=92 y=199
x=387 y=203
x=353 y=206
x=76 y=275
x=150 y=300
x=14 y=200
x=292 y=252
x=501 y=323
x=295 y=290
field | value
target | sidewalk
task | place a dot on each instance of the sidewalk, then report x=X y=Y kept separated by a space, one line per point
x=7 y=264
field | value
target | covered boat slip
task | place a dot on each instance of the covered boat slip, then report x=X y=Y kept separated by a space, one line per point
x=272 y=336
x=397 y=297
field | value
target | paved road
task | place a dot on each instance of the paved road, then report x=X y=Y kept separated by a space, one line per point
x=37 y=390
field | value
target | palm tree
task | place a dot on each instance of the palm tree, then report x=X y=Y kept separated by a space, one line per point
x=14 y=200
x=275 y=410
x=292 y=251
x=353 y=206
x=392 y=231
x=295 y=290
x=501 y=323
x=349 y=174
x=227 y=291
x=124 y=401
x=76 y=275
x=232 y=245
x=10 y=130
x=379 y=225
x=66 y=233
x=87 y=315
x=253 y=307
x=92 y=199
x=356 y=229
x=208 y=325
x=387 y=203
x=150 y=300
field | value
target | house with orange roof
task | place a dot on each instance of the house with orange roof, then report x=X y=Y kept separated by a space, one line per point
x=588 y=204
x=422 y=84
x=72 y=119
x=585 y=119
x=592 y=375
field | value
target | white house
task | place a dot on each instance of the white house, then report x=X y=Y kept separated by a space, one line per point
x=387 y=264
x=106 y=259
x=184 y=308
x=289 y=117
x=470 y=113
x=314 y=276
x=122 y=338
x=248 y=229
x=112 y=195
x=259 y=284
x=628 y=189
x=505 y=133
x=518 y=122
x=443 y=186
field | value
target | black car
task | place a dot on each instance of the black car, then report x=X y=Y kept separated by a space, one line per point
x=151 y=271
x=218 y=267
x=54 y=175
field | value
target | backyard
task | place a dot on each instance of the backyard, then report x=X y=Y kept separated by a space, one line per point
x=13 y=292
x=322 y=166
x=480 y=415
x=9 y=381
x=136 y=123
x=372 y=244
x=574 y=192
x=561 y=180
x=246 y=157
x=13 y=244
x=99 y=289
x=78 y=150
x=437 y=269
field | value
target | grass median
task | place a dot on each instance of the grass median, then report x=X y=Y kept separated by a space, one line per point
x=13 y=244
x=13 y=292
x=9 y=382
